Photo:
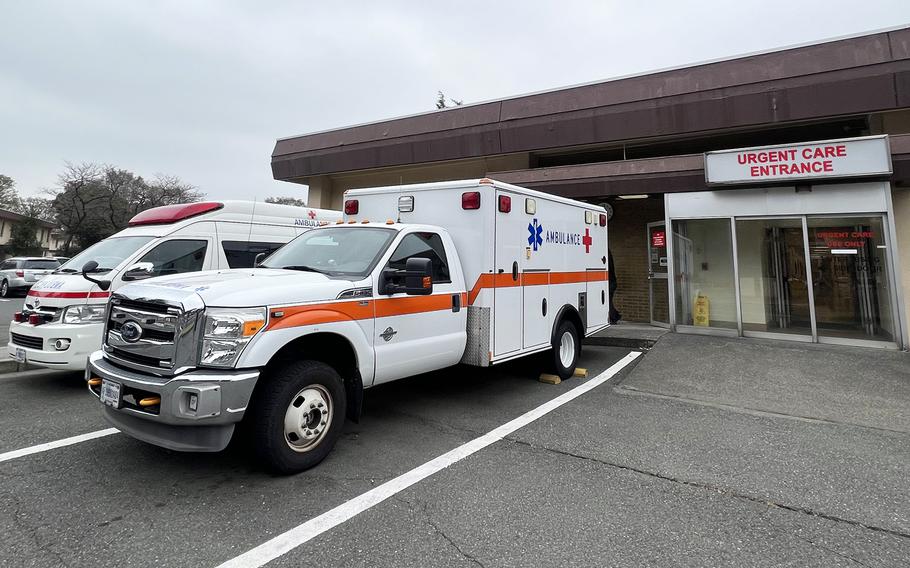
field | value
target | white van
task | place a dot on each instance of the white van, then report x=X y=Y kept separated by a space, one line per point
x=63 y=317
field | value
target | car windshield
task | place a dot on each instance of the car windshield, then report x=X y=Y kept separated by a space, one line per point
x=42 y=264
x=336 y=251
x=108 y=253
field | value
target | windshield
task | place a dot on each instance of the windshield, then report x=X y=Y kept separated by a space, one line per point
x=336 y=251
x=108 y=253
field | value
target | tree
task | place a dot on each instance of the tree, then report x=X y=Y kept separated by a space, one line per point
x=94 y=201
x=8 y=194
x=24 y=237
x=286 y=201
x=441 y=101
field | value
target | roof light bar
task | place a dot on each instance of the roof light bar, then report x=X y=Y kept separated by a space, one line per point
x=173 y=213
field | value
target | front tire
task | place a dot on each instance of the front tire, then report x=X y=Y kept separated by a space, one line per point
x=298 y=416
x=4 y=289
x=566 y=349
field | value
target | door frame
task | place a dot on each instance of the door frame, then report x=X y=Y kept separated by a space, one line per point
x=652 y=276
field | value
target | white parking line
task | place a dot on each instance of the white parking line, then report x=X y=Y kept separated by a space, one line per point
x=285 y=542
x=58 y=444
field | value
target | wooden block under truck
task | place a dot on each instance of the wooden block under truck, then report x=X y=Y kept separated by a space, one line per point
x=414 y=279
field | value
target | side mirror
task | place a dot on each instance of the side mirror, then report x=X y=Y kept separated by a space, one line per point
x=258 y=260
x=415 y=280
x=90 y=266
x=139 y=271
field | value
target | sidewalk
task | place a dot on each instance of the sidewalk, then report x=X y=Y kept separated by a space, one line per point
x=849 y=385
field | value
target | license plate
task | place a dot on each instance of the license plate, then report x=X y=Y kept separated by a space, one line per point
x=110 y=393
x=20 y=355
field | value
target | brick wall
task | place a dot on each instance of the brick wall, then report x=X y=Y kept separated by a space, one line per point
x=628 y=233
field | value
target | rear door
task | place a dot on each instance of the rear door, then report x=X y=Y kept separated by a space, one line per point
x=416 y=334
x=38 y=268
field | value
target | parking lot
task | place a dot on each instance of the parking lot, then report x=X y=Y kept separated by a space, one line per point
x=622 y=475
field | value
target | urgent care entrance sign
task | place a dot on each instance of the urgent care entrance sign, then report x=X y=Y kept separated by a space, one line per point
x=849 y=157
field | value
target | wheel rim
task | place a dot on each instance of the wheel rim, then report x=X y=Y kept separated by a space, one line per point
x=4 y=288
x=567 y=349
x=308 y=418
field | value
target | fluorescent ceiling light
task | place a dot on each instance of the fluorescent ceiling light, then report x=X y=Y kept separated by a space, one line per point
x=636 y=196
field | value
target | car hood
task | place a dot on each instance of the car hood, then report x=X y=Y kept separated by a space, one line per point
x=245 y=287
x=55 y=290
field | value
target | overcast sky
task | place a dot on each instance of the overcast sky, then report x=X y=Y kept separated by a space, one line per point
x=202 y=89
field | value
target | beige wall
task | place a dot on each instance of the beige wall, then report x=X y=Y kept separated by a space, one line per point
x=901 y=199
x=326 y=191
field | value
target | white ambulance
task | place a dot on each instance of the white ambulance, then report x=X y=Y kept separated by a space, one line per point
x=62 y=320
x=416 y=278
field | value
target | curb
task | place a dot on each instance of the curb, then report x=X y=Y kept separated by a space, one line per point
x=624 y=342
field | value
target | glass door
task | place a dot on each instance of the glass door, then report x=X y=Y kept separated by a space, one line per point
x=658 y=266
x=773 y=278
x=851 y=284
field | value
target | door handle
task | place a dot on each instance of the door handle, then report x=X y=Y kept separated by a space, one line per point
x=456 y=302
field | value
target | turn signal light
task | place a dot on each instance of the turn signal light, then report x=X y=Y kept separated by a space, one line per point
x=505 y=203
x=94 y=382
x=603 y=220
x=351 y=207
x=470 y=200
x=150 y=401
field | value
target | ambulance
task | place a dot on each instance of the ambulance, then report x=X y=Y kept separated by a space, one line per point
x=62 y=320
x=414 y=279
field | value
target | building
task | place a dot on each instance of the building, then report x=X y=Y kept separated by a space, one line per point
x=46 y=234
x=783 y=241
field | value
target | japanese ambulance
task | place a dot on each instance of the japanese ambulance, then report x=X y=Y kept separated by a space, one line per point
x=62 y=320
x=416 y=278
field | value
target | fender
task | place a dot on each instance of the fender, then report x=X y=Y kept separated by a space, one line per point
x=263 y=348
x=569 y=312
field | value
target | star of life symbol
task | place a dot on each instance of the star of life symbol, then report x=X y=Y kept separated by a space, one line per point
x=536 y=230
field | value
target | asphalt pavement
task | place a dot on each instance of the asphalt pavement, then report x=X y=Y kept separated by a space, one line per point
x=612 y=478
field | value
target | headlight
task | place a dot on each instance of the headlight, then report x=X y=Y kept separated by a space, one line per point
x=90 y=313
x=226 y=333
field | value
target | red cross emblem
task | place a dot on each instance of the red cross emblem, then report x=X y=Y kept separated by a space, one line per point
x=312 y=214
x=587 y=241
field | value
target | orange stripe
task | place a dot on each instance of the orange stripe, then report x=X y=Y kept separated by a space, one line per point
x=412 y=305
x=534 y=279
x=295 y=316
x=313 y=314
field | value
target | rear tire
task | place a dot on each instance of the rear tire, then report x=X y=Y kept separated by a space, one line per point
x=298 y=416
x=566 y=349
x=4 y=289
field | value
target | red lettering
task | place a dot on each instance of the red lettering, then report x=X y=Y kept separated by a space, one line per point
x=830 y=151
x=829 y=166
x=841 y=151
x=741 y=158
x=753 y=171
x=807 y=153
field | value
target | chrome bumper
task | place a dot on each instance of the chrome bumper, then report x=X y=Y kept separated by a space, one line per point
x=221 y=401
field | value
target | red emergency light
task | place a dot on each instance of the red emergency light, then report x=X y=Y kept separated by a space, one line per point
x=36 y=319
x=470 y=200
x=505 y=204
x=173 y=213
x=351 y=207
x=19 y=317
x=603 y=220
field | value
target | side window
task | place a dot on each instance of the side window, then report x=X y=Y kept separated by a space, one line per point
x=174 y=257
x=423 y=245
x=7 y=265
x=242 y=254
